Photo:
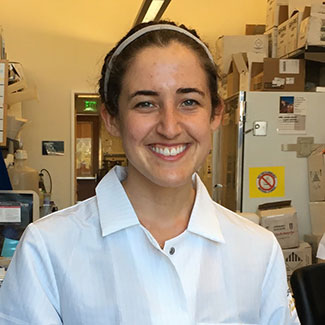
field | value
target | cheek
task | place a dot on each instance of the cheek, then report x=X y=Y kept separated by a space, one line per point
x=134 y=130
x=201 y=129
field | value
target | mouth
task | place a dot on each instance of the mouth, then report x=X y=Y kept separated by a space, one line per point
x=168 y=151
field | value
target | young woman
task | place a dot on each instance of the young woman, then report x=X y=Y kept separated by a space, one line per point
x=151 y=247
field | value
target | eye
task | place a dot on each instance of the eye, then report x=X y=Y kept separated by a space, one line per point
x=144 y=105
x=190 y=103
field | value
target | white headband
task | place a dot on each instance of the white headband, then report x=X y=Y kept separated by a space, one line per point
x=139 y=33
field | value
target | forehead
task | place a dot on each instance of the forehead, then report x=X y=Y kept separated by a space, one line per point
x=174 y=60
x=168 y=51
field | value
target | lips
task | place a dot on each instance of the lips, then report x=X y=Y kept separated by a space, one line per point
x=168 y=151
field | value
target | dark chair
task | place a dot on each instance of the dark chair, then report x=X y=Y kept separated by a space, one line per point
x=308 y=287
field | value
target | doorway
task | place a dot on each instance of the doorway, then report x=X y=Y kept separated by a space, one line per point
x=87 y=141
x=95 y=152
x=87 y=155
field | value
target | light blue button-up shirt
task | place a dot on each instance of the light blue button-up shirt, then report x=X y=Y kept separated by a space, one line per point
x=94 y=263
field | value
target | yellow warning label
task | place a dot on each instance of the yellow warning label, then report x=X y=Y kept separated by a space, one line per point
x=266 y=182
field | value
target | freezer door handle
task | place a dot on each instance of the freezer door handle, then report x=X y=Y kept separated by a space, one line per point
x=259 y=128
x=217 y=193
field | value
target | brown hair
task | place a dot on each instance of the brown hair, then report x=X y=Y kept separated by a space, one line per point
x=161 y=38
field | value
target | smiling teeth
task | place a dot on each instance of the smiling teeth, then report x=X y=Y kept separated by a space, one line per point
x=169 y=151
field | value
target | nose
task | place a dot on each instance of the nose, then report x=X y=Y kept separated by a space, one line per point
x=169 y=124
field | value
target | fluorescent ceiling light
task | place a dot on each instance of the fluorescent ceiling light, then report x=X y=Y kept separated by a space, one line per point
x=87 y=96
x=151 y=10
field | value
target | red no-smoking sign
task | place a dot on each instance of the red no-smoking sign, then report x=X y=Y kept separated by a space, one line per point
x=266 y=182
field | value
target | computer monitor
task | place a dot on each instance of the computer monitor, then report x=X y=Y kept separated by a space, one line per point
x=18 y=208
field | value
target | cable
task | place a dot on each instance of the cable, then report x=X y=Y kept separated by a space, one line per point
x=50 y=178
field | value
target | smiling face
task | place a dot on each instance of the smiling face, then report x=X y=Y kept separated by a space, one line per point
x=164 y=116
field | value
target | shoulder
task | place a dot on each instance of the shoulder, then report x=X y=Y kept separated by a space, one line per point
x=69 y=223
x=80 y=212
x=239 y=230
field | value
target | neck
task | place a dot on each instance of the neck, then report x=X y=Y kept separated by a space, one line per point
x=164 y=211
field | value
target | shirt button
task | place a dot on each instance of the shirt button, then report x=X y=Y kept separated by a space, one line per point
x=172 y=251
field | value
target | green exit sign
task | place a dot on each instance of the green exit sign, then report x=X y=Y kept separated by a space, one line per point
x=90 y=106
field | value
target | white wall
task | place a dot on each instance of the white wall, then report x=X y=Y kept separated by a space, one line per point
x=61 y=45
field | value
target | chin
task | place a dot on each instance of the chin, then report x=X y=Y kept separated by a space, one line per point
x=171 y=181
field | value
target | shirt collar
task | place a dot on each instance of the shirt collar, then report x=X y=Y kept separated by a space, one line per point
x=204 y=218
x=115 y=209
x=117 y=213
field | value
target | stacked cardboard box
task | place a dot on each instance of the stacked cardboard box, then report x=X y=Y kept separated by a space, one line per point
x=272 y=35
x=290 y=25
x=228 y=45
x=313 y=241
x=240 y=71
x=234 y=58
x=278 y=75
x=276 y=14
x=281 y=219
x=304 y=26
x=312 y=26
x=298 y=257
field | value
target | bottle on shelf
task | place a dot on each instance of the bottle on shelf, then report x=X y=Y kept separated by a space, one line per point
x=23 y=177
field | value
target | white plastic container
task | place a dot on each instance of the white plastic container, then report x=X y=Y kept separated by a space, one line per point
x=21 y=176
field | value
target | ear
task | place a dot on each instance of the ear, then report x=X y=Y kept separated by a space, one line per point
x=111 y=122
x=216 y=119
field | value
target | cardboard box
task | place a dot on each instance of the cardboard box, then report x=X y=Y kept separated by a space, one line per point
x=313 y=240
x=284 y=75
x=316 y=174
x=239 y=77
x=232 y=82
x=317 y=7
x=297 y=257
x=245 y=77
x=257 y=74
x=317 y=217
x=233 y=75
x=254 y=29
x=229 y=45
x=276 y=13
x=273 y=41
x=283 y=223
x=288 y=35
x=298 y=5
x=312 y=29
x=282 y=40
x=279 y=75
x=293 y=26
x=257 y=82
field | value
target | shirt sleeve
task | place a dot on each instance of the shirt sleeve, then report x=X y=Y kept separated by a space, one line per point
x=277 y=304
x=321 y=248
x=29 y=292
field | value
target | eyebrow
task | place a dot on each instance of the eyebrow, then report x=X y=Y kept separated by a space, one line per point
x=190 y=90
x=143 y=93
x=155 y=93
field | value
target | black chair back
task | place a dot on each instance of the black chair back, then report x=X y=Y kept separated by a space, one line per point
x=308 y=287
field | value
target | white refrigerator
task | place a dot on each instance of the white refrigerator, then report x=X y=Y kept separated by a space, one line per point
x=260 y=150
